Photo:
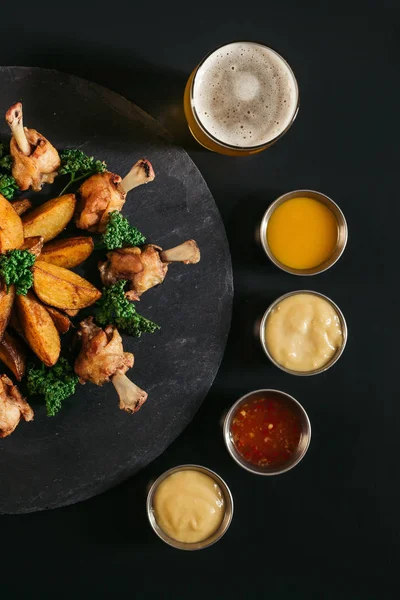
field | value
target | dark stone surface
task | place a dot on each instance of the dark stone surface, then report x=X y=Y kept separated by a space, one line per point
x=91 y=445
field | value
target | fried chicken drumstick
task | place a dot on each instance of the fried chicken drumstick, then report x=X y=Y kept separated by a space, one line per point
x=35 y=160
x=105 y=192
x=12 y=407
x=102 y=359
x=145 y=267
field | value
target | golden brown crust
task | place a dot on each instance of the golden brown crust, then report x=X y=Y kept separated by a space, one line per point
x=6 y=304
x=12 y=354
x=142 y=267
x=50 y=218
x=61 y=287
x=99 y=195
x=102 y=354
x=12 y=407
x=39 y=167
x=68 y=253
x=21 y=206
x=34 y=244
x=60 y=320
x=38 y=329
x=11 y=230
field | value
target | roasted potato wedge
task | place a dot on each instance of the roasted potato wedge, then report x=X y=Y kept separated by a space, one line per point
x=62 y=288
x=6 y=304
x=68 y=253
x=33 y=244
x=11 y=230
x=14 y=323
x=12 y=354
x=38 y=329
x=60 y=320
x=21 y=206
x=49 y=219
x=71 y=312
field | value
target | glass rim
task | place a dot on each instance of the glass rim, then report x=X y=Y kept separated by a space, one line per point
x=208 y=133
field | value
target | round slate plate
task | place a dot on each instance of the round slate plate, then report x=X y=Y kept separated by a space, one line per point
x=91 y=445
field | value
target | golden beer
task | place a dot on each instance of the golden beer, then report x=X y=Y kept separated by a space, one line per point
x=241 y=99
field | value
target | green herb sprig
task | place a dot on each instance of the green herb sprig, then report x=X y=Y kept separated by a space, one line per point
x=54 y=383
x=120 y=233
x=114 y=308
x=8 y=185
x=78 y=165
x=16 y=268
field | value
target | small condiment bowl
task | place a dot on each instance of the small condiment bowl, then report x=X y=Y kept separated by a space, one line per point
x=342 y=231
x=334 y=358
x=217 y=535
x=303 y=444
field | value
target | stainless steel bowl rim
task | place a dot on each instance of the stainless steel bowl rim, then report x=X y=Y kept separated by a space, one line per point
x=227 y=519
x=330 y=363
x=264 y=225
x=230 y=444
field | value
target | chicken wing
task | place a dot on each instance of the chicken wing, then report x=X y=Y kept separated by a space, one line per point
x=34 y=160
x=102 y=359
x=103 y=193
x=12 y=407
x=145 y=267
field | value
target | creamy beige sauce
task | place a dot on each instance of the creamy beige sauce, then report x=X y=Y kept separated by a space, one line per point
x=188 y=506
x=303 y=332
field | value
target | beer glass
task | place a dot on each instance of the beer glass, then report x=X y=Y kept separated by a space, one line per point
x=241 y=99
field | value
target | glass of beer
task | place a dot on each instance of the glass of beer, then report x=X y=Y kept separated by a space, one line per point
x=241 y=99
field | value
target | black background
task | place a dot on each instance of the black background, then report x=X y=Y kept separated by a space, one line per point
x=330 y=527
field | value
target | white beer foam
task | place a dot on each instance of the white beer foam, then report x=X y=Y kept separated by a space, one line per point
x=245 y=94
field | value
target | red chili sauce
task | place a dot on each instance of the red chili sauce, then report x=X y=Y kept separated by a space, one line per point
x=266 y=431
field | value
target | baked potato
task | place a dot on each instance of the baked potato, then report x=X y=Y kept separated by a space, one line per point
x=14 y=322
x=12 y=354
x=11 y=230
x=21 y=206
x=38 y=329
x=68 y=253
x=6 y=304
x=50 y=218
x=71 y=312
x=33 y=244
x=60 y=320
x=62 y=288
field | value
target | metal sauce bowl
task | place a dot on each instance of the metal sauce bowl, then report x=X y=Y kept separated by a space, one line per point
x=304 y=442
x=342 y=231
x=334 y=358
x=217 y=535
